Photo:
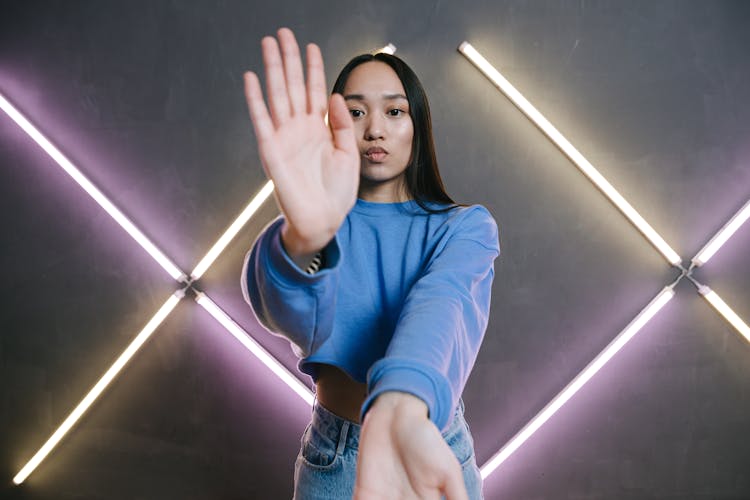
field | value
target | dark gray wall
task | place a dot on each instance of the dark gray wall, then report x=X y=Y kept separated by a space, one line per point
x=146 y=98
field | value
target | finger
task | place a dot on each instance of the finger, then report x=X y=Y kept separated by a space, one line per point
x=316 y=81
x=455 y=489
x=258 y=114
x=257 y=107
x=278 y=96
x=342 y=125
x=295 y=80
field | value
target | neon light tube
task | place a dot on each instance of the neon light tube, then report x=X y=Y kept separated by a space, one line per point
x=92 y=190
x=571 y=152
x=584 y=376
x=388 y=49
x=726 y=311
x=232 y=231
x=102 y=384
x=251 y=345
x=723 y=235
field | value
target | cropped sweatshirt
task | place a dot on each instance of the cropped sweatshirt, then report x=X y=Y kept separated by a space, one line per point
x=401 y=303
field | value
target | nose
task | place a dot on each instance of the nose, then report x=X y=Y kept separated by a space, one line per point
x=375 y=128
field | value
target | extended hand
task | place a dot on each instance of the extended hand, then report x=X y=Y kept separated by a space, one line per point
x=402 y=455
x=315 y=169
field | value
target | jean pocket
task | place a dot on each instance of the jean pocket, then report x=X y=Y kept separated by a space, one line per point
x=460 y=441
x=318 y=451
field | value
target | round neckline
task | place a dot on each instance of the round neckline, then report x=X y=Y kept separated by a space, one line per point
x=385 y=208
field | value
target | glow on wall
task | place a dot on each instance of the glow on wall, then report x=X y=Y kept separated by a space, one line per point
x=188 y=281
x=99 y=387
x=640 y=223
x=168 y=306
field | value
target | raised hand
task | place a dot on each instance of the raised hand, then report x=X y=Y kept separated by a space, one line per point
x=402 y=455
x=315 y=169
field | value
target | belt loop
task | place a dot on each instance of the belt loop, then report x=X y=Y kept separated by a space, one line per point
x=342 y=438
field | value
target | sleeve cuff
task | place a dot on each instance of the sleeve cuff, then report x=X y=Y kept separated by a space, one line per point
x=424 y=382
x=286 y=271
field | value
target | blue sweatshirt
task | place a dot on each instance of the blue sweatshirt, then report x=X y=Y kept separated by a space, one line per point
x=402 y=302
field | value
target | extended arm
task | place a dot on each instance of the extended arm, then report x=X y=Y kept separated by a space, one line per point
x=442 y=322
x=413 y=389
x=315 y=170
x=285 y=299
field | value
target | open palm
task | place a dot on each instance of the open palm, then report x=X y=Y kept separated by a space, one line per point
x=403 y=456
x=315 y=169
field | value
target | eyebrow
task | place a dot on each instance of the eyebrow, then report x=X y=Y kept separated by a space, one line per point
x=361 y=97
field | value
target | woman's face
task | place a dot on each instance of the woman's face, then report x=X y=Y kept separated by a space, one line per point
x=383 y=128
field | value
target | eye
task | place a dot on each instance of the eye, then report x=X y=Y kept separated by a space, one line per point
x=396 y=112
x=356 y=113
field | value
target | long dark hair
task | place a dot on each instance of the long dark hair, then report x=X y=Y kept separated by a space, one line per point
x=423 y=181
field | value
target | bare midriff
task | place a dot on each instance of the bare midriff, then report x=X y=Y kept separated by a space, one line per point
x=339 y=393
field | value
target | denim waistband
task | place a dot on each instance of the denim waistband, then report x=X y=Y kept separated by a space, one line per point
x=333 y=427
x=344 y=432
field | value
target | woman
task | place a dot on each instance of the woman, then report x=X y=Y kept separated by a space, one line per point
x=380 y=282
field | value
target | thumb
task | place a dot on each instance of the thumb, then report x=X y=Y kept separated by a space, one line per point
x=341 y=124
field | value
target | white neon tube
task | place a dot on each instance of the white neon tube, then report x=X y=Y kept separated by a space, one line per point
x=723 y=235
x=388 y=49
x=571 y=152
x=102 y=384
x=232 y=231
x=92 y=190
x=584 y=376
x=251 y=345
x=726 y=311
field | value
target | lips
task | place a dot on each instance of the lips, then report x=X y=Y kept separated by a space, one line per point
x=375 y=154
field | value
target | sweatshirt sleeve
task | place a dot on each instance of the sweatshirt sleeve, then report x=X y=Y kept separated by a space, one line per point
x=443 y=320
x=285 y=299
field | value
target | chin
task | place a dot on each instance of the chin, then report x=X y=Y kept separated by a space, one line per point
x=376 y=179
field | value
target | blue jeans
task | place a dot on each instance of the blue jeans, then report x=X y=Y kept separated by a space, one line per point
x=326 y=465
